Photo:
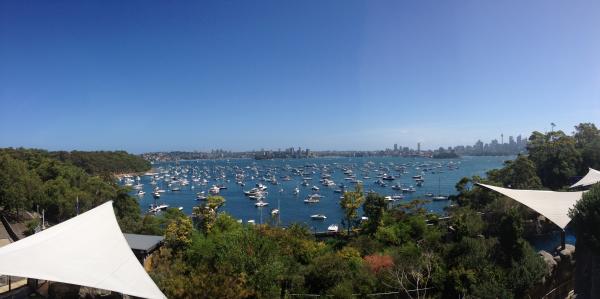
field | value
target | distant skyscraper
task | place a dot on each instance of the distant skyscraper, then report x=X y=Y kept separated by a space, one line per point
x=418 y=147
x=395 y=147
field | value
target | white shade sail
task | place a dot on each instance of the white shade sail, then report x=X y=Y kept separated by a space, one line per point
x=592 y=177
x=552 y=205
x=88 y=250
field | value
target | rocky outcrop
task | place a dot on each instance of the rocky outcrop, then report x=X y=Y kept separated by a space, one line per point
x=560 y=272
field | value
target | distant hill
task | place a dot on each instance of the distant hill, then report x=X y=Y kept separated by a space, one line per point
x=102 y=162
x=94 y=163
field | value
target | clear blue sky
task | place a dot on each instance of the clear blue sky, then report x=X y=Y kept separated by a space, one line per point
x=239 y=75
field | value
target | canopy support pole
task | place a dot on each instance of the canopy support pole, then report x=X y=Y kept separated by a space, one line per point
x=562 y=239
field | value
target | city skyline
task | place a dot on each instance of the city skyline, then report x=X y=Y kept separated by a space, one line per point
x=155 y=76
x=516 y=145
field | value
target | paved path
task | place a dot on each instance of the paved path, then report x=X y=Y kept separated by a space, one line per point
x=4 y=235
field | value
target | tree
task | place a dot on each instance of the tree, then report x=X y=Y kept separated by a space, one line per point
x=18 y=186
x=587 y=138
x=374 y=208
x=413 y=276
x=585 y=217
x=178 y=235
x=555 y=157
x=510 y=236
x=586 y=133
x=350 y=203
x=206 y=214
x=466 y=223
x=586 y=222
x=517 y=174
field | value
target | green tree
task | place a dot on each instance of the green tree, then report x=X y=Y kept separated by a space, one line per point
x=373 y=208
x=350 y=203
x=510 y=237
x=587 y=138
x=586 y=218
x=178 y=235
x=206 y=214
x=555 y=157
x=517 y=174
x=18 y=186
x=466 y=223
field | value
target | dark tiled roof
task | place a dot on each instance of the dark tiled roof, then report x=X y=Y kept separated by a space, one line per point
x=143 y=242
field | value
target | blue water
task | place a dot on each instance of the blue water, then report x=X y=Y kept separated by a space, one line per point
x=439 y=181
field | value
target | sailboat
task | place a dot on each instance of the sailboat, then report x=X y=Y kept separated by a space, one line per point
x=439 y=197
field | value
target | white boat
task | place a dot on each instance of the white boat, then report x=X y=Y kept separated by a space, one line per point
x=214 y=190
x=257 y=197
x=255 y=192
x=388 y=177
x=314 y=198
x=328 y=182
x=155 y=209
x=141 y=193
x=332 y=228
x=261 y=187
x=251 y=221
x=318 y=217
x=275 y=212
x=311 y=200
x=409 y=190
x=439 y=198
x=261 y=204
x=315 y=188
x=296 y=191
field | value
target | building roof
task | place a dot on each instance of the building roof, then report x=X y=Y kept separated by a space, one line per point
x=143 y=242
x=552 y=205
x=88 y=250
x=592 y=177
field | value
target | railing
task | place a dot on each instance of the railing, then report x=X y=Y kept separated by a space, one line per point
x=9 y=229
x=9 y=283
x=561 y=291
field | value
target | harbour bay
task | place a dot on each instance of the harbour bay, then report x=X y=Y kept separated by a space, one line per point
x=282 y=176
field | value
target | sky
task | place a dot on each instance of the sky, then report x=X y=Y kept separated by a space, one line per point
x=241 y=75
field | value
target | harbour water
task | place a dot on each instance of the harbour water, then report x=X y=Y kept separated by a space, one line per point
x=440 y=177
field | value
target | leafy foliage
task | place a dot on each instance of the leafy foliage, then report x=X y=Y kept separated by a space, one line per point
x=555 y=156
x=586 y=218
x=350 y=203
x=37 y=180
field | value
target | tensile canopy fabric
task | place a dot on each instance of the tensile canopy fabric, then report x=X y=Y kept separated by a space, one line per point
x=592 y=177
x=88 y=250
x=551 y=204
